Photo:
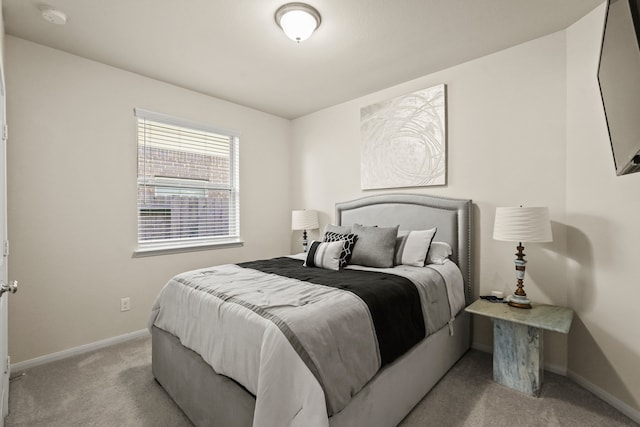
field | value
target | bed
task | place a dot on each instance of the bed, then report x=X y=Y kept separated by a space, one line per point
x=209 y=398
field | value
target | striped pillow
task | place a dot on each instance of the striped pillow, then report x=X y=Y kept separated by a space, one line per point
x=412 y=247
x=324 y=255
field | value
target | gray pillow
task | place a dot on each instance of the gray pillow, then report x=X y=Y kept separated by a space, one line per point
x=338 y=229
x=375 y=246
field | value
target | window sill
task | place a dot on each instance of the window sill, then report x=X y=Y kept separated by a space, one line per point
x=145 y=251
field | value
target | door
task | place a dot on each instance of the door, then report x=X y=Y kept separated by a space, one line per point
x=4 y=245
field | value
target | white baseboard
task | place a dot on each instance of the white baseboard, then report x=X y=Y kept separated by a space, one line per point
x=630 y=412
x=627 y=410
x=560 y=370
x=47 y=358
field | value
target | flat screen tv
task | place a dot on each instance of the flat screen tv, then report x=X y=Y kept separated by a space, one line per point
x=619 y=80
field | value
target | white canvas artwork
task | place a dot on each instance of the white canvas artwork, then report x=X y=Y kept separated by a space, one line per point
x=404 y=141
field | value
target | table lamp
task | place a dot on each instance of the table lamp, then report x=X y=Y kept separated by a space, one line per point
x=304 y=220
x=522 y=225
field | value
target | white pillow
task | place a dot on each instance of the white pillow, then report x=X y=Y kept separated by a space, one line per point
x=412 y=247
x=439 y=253
x=324 y=255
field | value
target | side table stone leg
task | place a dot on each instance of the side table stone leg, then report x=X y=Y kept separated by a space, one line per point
x=518 y=356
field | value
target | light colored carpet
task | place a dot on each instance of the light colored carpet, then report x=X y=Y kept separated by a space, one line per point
x=114 y=387
x=468 y=397
x=108 y=387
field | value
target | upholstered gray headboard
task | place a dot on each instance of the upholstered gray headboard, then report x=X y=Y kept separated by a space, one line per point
x=418 y=212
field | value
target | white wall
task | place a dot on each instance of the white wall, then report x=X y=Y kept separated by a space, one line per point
x=525 y=125
x=603 y=212
x=72 y=195
x=506 y=146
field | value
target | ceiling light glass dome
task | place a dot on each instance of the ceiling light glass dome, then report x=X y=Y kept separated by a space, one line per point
x=298 y=20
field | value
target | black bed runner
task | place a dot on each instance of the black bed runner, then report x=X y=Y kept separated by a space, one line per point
x=393 y=301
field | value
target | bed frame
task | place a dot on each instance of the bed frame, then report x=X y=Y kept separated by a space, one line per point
x=208 y=398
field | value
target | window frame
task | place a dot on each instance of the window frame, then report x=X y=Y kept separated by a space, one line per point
x=180 y=245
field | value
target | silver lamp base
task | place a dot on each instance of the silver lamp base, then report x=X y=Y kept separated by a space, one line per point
x=518 y=301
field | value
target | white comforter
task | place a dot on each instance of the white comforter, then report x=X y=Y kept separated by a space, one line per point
x=252 y=350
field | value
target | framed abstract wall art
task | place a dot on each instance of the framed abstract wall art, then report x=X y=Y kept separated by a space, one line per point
x=404 y=141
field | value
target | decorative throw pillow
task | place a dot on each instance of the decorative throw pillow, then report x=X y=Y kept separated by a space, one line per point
x=376 y=246
x=412 y=247
x=439 y=253
x=338 y=229
x=348 y=242
x=324 y=255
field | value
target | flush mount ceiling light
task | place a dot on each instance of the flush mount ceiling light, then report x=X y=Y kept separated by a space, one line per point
x=297 y=20
x=53 y=16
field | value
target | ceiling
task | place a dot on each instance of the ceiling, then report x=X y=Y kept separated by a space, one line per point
x=233 y=50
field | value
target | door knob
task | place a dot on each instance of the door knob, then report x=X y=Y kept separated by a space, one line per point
x=11 y=287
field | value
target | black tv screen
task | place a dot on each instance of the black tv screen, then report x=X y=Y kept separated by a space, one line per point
x=619 y=79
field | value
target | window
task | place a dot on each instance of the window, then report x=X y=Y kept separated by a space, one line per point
x=188 y=194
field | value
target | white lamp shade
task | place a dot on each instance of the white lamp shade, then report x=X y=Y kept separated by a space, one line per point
x=298 y=20
x=522 y=224
x=304 y=220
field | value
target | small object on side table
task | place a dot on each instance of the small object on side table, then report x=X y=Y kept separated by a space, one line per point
x=491 y=298
x=518 y=341
x=498 y=294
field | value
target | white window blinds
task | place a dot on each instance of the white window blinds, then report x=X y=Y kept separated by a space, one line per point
x=188 y=193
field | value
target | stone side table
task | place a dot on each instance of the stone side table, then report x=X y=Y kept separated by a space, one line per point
x=518 y=341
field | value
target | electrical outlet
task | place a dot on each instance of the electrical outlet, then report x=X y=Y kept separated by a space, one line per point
x=125 y=304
